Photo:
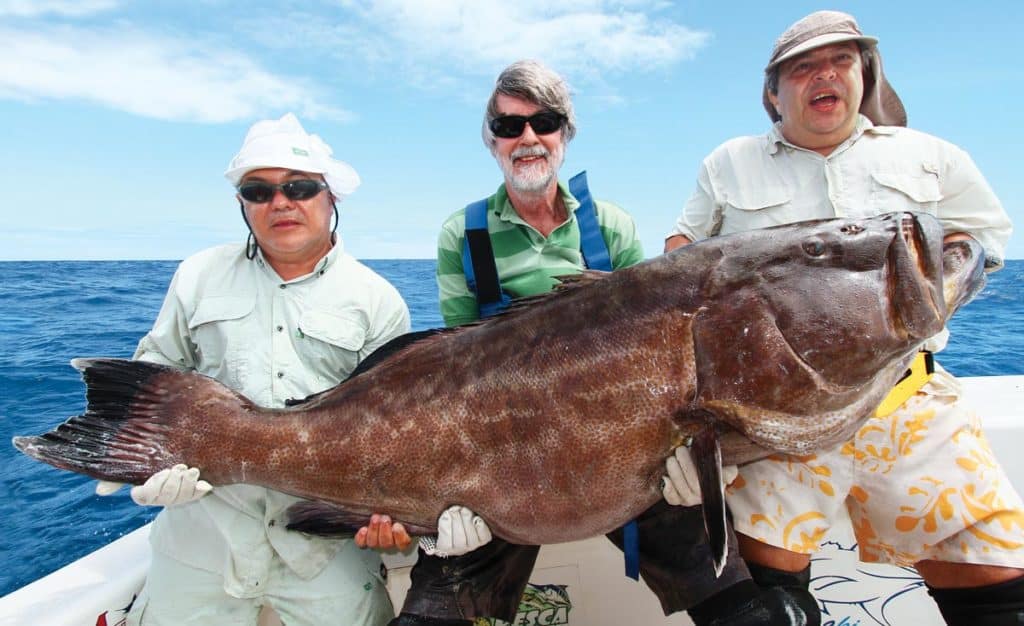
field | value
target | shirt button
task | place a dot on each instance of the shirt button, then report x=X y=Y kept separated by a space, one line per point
x=280 y=374
x=280 y=328
x=283 y=286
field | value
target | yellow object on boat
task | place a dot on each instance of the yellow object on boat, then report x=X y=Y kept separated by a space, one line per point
x=920 y=371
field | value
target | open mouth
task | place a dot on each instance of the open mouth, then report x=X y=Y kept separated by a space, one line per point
x=824 y=101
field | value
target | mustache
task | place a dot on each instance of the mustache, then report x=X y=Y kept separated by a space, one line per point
x=529 y=151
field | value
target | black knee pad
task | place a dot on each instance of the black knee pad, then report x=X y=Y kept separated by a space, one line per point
x=748 y=604
x=1001 y=604
x=788 y=590
x=408 y=619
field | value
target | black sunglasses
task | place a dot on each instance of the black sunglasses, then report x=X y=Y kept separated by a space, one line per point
x=302 y=189
x=512 y=126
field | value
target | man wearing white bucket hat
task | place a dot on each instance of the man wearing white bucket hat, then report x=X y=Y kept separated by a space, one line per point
x=919 y=479
x=286 y=315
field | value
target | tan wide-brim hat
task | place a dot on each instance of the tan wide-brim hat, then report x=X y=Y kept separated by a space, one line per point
x=880 y=103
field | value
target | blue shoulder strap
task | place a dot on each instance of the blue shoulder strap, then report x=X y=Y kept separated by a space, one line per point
x=478 y=262
x=592 y=244
x=478 y=254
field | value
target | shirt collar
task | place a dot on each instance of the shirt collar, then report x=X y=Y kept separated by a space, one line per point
x=328 y=259
x=864 y=126
x=507 y=213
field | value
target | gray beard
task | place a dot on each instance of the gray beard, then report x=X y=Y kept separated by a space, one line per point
x=531 y=181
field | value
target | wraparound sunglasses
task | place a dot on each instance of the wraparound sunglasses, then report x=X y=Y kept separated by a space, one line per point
x=301 y=189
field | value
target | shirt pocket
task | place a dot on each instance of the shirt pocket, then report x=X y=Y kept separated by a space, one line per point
x=914 y=190
x=331 y=342
x=219 y=329
x=755 y=206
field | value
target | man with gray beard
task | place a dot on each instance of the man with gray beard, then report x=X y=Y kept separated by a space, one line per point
x=515 y=244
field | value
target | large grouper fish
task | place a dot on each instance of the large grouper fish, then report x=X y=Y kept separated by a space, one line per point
x=553 y=421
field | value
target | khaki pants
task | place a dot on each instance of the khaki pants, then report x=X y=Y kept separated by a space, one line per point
x=345 y=592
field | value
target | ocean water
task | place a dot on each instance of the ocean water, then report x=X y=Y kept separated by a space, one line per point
x=51 y=312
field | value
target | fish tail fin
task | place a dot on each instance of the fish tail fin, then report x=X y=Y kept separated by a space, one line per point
x=133 y=423
x=329 y=520
x=707 y=455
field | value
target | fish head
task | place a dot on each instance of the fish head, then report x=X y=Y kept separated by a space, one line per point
x=805 y=327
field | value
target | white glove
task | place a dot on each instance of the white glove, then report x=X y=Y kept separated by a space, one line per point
x=682 y=487
x=169 y=487
x=459 y=531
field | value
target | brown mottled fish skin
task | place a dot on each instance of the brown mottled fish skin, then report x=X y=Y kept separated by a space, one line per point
x=554 y=420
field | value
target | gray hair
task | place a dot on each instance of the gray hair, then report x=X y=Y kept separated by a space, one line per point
x=536 y=83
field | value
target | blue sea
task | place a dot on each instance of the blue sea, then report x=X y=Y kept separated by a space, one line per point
x=51 y=312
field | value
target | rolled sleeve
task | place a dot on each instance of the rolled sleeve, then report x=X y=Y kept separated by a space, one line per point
x=390 y=320
x=969 y=205
x=168 y=343
x=697 y=219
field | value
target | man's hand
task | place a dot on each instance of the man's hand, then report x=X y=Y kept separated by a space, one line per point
x=676 y=241
x=170 y=487
x=382 y=534
x=459 y=531
x=681 y=486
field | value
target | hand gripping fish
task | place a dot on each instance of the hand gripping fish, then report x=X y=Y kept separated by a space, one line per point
x=777 y=340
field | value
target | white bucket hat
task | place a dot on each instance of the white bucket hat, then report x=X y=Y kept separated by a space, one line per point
x=284 y=143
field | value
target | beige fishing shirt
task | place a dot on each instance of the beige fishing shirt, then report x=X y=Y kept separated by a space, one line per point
x=236 y=320
x=761 y=181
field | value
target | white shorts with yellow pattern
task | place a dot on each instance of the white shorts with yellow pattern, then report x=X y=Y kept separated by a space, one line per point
x=920 y=483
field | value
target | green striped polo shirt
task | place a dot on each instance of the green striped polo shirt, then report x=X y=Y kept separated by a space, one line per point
x=527 y=262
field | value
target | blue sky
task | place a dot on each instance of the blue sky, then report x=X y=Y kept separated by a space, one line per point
x=120 y=116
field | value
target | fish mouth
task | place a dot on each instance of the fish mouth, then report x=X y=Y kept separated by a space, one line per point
x=963 y=273
x=915 y=276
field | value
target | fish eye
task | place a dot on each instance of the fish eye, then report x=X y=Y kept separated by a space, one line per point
x=814 y=247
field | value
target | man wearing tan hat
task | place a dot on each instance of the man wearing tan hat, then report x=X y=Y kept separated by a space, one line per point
x=920 y=483
x=285 y=315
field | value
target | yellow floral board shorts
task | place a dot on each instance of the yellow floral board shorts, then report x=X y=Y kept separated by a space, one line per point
x=920 y=483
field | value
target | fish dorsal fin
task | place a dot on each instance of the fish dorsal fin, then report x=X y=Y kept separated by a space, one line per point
x=380 y=354
x=567 y=283
x=396 y=345
x=585 y=277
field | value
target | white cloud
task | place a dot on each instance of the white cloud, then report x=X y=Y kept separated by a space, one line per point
x=148 y=75
x=430 y=44
x=585 y=37
x=67 y=8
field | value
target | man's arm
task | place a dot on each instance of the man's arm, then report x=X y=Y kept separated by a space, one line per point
x=168 y=342
x=700 y=215
x=618 y=228
x=970 y=207
x=458 y=304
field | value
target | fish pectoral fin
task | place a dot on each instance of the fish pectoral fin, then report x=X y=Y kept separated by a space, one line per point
x=707 y=456
x=324 y=519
